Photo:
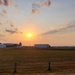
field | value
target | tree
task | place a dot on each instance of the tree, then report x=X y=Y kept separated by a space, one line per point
x=20 y=44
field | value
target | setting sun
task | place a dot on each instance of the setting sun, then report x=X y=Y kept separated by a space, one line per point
x=29 y=34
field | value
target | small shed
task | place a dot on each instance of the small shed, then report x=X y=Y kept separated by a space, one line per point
x=2 y=46
x=42 y=46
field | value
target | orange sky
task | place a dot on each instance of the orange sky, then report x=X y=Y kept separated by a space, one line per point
x=49 y=23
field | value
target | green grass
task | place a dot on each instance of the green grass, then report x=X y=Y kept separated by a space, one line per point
x=31 y=61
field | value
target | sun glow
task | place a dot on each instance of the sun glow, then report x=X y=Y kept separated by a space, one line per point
x=29 y=35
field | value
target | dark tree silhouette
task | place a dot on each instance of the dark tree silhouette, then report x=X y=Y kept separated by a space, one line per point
x=20 y=44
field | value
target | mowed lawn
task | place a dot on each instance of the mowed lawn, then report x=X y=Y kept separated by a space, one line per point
x=31 y=60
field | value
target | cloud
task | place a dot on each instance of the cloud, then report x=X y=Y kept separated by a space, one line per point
x=5 y=20
x=47 y=3
x=1 y=2
x=7 y=3
x=11 y=31
x=60 y=29
x=36 y=6
x=10 y=2
x=35 y=11
x=11 y=25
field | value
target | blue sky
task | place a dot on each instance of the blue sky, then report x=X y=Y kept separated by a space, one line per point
x=57 y=16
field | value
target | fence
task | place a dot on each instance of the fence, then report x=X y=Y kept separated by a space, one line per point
x=37 y=67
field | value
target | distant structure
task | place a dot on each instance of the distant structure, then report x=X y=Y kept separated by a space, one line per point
x=7 y=45
x=2 y=46
x=41 y=46
x=10 y=45
x=13 y=45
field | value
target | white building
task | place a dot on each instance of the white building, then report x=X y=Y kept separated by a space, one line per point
x=19 y=46
x=2 y=46
x=42 y=46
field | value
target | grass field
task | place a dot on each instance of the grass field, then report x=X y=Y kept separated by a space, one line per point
x=35 y=61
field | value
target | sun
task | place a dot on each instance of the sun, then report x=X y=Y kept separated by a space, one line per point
x=29 y=35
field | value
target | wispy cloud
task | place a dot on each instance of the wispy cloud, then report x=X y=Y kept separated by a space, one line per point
x=1 y=2
x=60 y=29
x=47 y=3
x=5 y=19
x=12 y=25
x=7 y=2
x=36 y=6
x=35 y=11
x=13 y=30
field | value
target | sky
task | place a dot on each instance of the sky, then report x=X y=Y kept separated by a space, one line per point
x=47 y=21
